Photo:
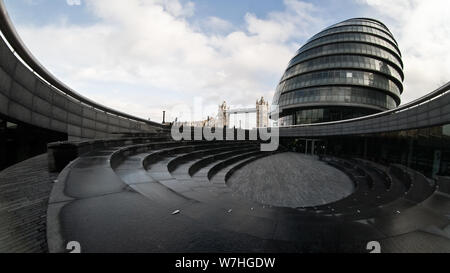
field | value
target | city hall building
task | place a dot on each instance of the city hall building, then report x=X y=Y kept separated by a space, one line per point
x=350 y=69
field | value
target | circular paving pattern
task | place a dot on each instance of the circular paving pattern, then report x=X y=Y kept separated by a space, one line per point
x=291 y=180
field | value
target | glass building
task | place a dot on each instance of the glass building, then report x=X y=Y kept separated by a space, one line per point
x=350 y=69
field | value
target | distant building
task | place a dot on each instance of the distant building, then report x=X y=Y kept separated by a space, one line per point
x=262 y=113
x=223 y=115
x=209 y=122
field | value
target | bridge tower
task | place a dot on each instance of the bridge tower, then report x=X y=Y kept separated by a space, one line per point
x=223 y=115
x=262 y=113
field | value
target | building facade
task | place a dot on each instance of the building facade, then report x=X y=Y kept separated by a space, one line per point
x=350 y=69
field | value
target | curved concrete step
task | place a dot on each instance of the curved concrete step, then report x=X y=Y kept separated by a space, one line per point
x=363 y=201
x=189 y=157
x=138 y=217
x=185 y=149
x=183 y=169
x=361 y=183
x=420 y=187
x=201 y=163
x=216 y=168
x=385 y=199
x=222 y=176
x=216 y=191
x=217 y=194
x=157 y=162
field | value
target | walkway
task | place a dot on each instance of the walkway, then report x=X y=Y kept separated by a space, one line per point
x=24 y=193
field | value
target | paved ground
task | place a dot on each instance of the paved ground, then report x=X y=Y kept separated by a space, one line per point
x=291 y=180
x=24 y=193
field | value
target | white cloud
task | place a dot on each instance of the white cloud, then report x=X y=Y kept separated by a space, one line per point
x=143 y=57
x=422 y=29
x=216 y=25
x=175 y=8
x=73 y=2
x=298 y=21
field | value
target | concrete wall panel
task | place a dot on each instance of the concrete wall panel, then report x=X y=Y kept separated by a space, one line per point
x=100 y=134
x=88 y=123
x=148 y=128
x=89 y=113
x=124 y=123
x=58 y=126
x=445 y=100
x=422 y=123
x=74 y=119
x=446 y=117
x=8 y=60
x=87 y=133
x=42 y=106
x=74 y=131
x=21 y=95
x=19 y=112
x=422 y=116
x=435 y=112
x=40 y=120
x=113 y=120
x=25 y=77
x=4 y=101
x=102 y=117
x=434 y=104
x=101 y=127
x=43 y=91
x=59 y=114
x=74 y=108
x=5 y=82
x=60 y=100
x=113 y=129
x=435 y=120
x=446 y=108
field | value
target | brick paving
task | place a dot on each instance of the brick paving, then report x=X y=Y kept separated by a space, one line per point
x=24 y=192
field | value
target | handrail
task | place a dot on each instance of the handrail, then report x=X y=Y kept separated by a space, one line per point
x=12 y=37
x=436 y=93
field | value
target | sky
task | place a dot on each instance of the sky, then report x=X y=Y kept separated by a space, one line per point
x=187 y=57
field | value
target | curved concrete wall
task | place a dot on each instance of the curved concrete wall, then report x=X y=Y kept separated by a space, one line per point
x=26 y=97
x=430 y=110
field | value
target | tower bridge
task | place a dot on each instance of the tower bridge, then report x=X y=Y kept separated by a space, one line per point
x=241 y=110
x=261 y=111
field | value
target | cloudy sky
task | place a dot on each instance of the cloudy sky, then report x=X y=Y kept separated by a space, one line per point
x=146 y=56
